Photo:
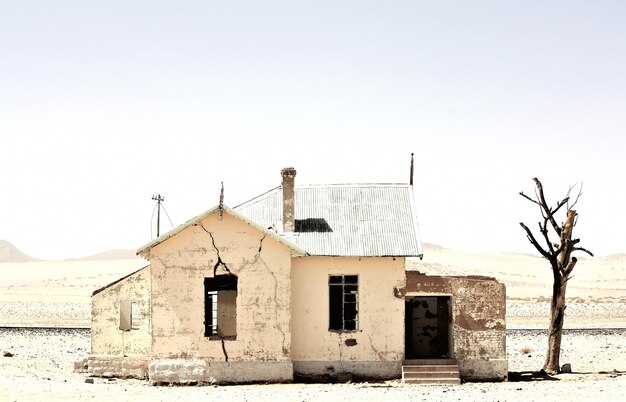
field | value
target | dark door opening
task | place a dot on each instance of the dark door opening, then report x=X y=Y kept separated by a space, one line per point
x=427 y=327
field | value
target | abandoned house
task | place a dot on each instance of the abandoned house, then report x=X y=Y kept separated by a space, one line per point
x=302 y=282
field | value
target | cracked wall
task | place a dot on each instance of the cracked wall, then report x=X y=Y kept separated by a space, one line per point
x=380 y=335
x=106 y=337
x=213 y=246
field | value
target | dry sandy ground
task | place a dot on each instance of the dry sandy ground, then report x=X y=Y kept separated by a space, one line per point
x=42 y=362
x=56 y=293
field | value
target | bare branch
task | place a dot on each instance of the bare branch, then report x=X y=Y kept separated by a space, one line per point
x=534 y=242
x=528 y=198
x=565 y=280
x=580 y=192
x=544 y=231
x=583 y=250
x=544 y=205
x=558 y=206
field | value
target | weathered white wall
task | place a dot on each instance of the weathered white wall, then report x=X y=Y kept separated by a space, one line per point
x=478 y=321
x=262 y=265
x=380 y=336
x=106 y=337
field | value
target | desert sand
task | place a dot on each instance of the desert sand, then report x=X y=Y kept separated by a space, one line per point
x=56 y=294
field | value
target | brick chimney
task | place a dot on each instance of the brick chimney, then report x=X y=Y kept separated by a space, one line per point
x=289 y=207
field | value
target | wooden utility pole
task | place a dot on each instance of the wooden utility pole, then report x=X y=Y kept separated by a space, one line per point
x=159 y=199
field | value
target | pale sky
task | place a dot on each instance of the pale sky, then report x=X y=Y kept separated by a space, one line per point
x=103 y=104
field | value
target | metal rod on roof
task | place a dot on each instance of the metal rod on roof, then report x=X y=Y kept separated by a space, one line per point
x=221 y=207
x=411 y=175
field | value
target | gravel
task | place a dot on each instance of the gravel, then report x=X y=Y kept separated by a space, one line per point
x=41 y=368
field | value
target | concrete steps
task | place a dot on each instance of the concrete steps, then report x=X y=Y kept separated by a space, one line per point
x=430 y=371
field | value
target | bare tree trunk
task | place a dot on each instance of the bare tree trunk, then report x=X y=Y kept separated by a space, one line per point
x=555 y=330
x=561 y=261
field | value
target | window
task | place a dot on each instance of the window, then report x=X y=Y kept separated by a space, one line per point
x=343 y=302
x=220 y=307
x=130 y=316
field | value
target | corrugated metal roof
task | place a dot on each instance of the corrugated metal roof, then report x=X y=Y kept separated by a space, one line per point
x=363 y=219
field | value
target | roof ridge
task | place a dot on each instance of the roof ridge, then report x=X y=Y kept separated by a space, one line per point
x=355 y=185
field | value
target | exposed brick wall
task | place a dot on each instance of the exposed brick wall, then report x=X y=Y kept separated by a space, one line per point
x=478 y=321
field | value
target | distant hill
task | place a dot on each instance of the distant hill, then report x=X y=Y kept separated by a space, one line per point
x=10 y=253
x=120 y=254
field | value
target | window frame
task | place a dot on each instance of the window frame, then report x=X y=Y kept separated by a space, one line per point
x=130 y=315
x=224 y=285
x=348 y=284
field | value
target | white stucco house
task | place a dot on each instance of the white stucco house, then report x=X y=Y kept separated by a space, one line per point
x=304 y=283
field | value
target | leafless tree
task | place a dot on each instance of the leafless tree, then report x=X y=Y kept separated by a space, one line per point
x=559 y=254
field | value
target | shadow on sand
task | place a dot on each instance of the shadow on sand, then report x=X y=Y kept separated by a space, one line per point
x=540 y=375
x=515 y=376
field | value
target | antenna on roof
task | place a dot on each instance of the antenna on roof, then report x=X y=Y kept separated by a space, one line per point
x=411 y=174
x=221 y=207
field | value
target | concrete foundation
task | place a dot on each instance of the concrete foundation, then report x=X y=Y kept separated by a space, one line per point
x=341 y=371
x=215 y=372
x=118 y=367
x=484 y=369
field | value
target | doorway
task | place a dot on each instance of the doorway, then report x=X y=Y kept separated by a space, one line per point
x=427 y=327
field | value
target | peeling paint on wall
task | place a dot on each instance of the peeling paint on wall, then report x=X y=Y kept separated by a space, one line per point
x=106 y=337
x=478 y=321
x=229 y=246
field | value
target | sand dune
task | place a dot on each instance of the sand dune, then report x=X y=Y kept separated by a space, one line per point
x=120 y=254
x=57 y=293
x=10 y=253
x=529 y=278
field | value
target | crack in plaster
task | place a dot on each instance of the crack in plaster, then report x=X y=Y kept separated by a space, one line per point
x=217 y=251
x=224 y=349
x=217 y=264
x=260 y=261
x=340 y=348
x=381 y=357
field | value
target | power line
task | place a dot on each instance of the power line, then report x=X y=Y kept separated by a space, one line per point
x=168 y=216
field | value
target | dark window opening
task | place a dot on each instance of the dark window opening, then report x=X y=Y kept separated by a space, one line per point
x=343 y=302
x=220 y=306
x=312 y=225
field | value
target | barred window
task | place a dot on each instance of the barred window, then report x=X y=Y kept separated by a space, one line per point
x=220 y=306
x=343 y=301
